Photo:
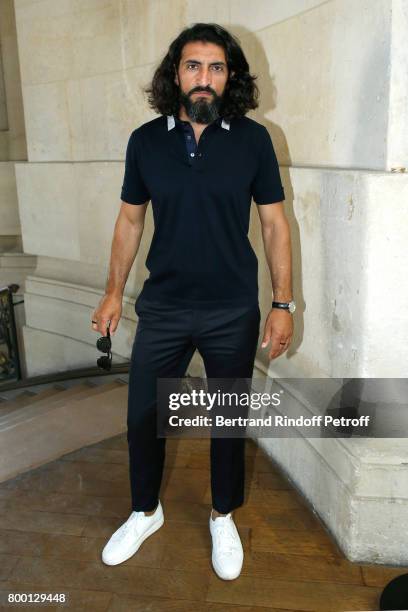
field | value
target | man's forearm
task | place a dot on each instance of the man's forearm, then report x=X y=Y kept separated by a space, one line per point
x=277 y=245
x=125 y=245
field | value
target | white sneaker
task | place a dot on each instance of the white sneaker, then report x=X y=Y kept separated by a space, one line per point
x=127 y=539
x=227 y=553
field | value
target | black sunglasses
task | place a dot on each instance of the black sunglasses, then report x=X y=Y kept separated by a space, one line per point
x=104 y=345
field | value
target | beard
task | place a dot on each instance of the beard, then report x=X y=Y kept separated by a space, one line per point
x=204 y=110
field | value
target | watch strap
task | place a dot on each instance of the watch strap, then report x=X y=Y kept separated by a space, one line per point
x=284 y=305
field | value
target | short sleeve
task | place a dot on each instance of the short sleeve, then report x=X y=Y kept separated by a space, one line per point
x=267 y=185
x=134 y=190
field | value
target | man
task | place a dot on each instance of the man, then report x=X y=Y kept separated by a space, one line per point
x=200 y=163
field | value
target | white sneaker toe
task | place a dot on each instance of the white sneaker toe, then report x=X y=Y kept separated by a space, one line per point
x=126 y=540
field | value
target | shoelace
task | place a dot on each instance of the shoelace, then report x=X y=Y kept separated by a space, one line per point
x=225 y=538
x=130 y=524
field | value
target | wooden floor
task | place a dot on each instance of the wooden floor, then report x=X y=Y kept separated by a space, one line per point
x=56 y=519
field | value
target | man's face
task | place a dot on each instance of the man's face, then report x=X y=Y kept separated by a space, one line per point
x=201 y=76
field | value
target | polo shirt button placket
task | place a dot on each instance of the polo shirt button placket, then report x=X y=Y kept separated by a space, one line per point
x=200 y=156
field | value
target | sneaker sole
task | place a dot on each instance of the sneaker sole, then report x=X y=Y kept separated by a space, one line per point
x=148 y=533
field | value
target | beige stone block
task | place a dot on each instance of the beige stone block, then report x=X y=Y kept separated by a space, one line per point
x=123 y=109
x=92 y=5
x=385 y=240
x=10 y=60
x=3 y=104
x=397 y=141
x=71 y=40
x=69 y=212
x=260 y=14
x=98 y=206
x=17 y=147
x=17 y=261
x=211 y=11
x=9 y=217
x=84 y=295
x=148 y=28
x=317 y=74
x=22 y=4
x=47 y=122
x=77 y=134
x=12 y=118
x=48 y=203
x=49 y=352
x=65 y=309
x=357 y=486
x=7 y=23
x=63 y=318
x=96 y=38
x=14 y=268
x=77 y=272
x=128 y=106
x=87 y=119
x=92 y=118
x=4 y=146
x=348 y=252
x=45 y=40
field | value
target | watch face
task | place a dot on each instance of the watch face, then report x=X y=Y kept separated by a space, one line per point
x=292 y=306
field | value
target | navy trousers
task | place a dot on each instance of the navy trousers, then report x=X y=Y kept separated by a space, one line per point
x=165 y=341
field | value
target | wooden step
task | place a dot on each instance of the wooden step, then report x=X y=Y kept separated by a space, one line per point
x=33 y=398
x=64 y=398
x=18 y=399
x=29 y=397
x=40 y=434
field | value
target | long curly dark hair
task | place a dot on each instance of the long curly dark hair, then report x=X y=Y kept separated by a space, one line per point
x=241 y=92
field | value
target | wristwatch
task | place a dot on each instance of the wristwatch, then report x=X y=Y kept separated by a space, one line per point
x=290 y=306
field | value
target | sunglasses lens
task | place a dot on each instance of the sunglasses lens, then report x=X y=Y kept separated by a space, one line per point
x=104 y=344
x=104 y=362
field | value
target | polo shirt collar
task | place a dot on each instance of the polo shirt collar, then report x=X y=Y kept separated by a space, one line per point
x=171 y=123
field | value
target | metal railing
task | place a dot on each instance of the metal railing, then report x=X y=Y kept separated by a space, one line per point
x=10 y=368
x=10 y=365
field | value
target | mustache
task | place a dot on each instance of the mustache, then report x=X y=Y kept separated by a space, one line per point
x=200 y=89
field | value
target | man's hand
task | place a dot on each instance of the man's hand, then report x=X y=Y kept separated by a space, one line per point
x=108 y=309
x=278 y=330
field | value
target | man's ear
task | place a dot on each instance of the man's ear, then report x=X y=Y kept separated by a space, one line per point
x=176 y=76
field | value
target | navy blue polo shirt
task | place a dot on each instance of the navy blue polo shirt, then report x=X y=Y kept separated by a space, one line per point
x=200 y=254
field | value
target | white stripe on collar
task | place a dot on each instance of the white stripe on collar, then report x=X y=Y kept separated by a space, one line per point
x=171 y=123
